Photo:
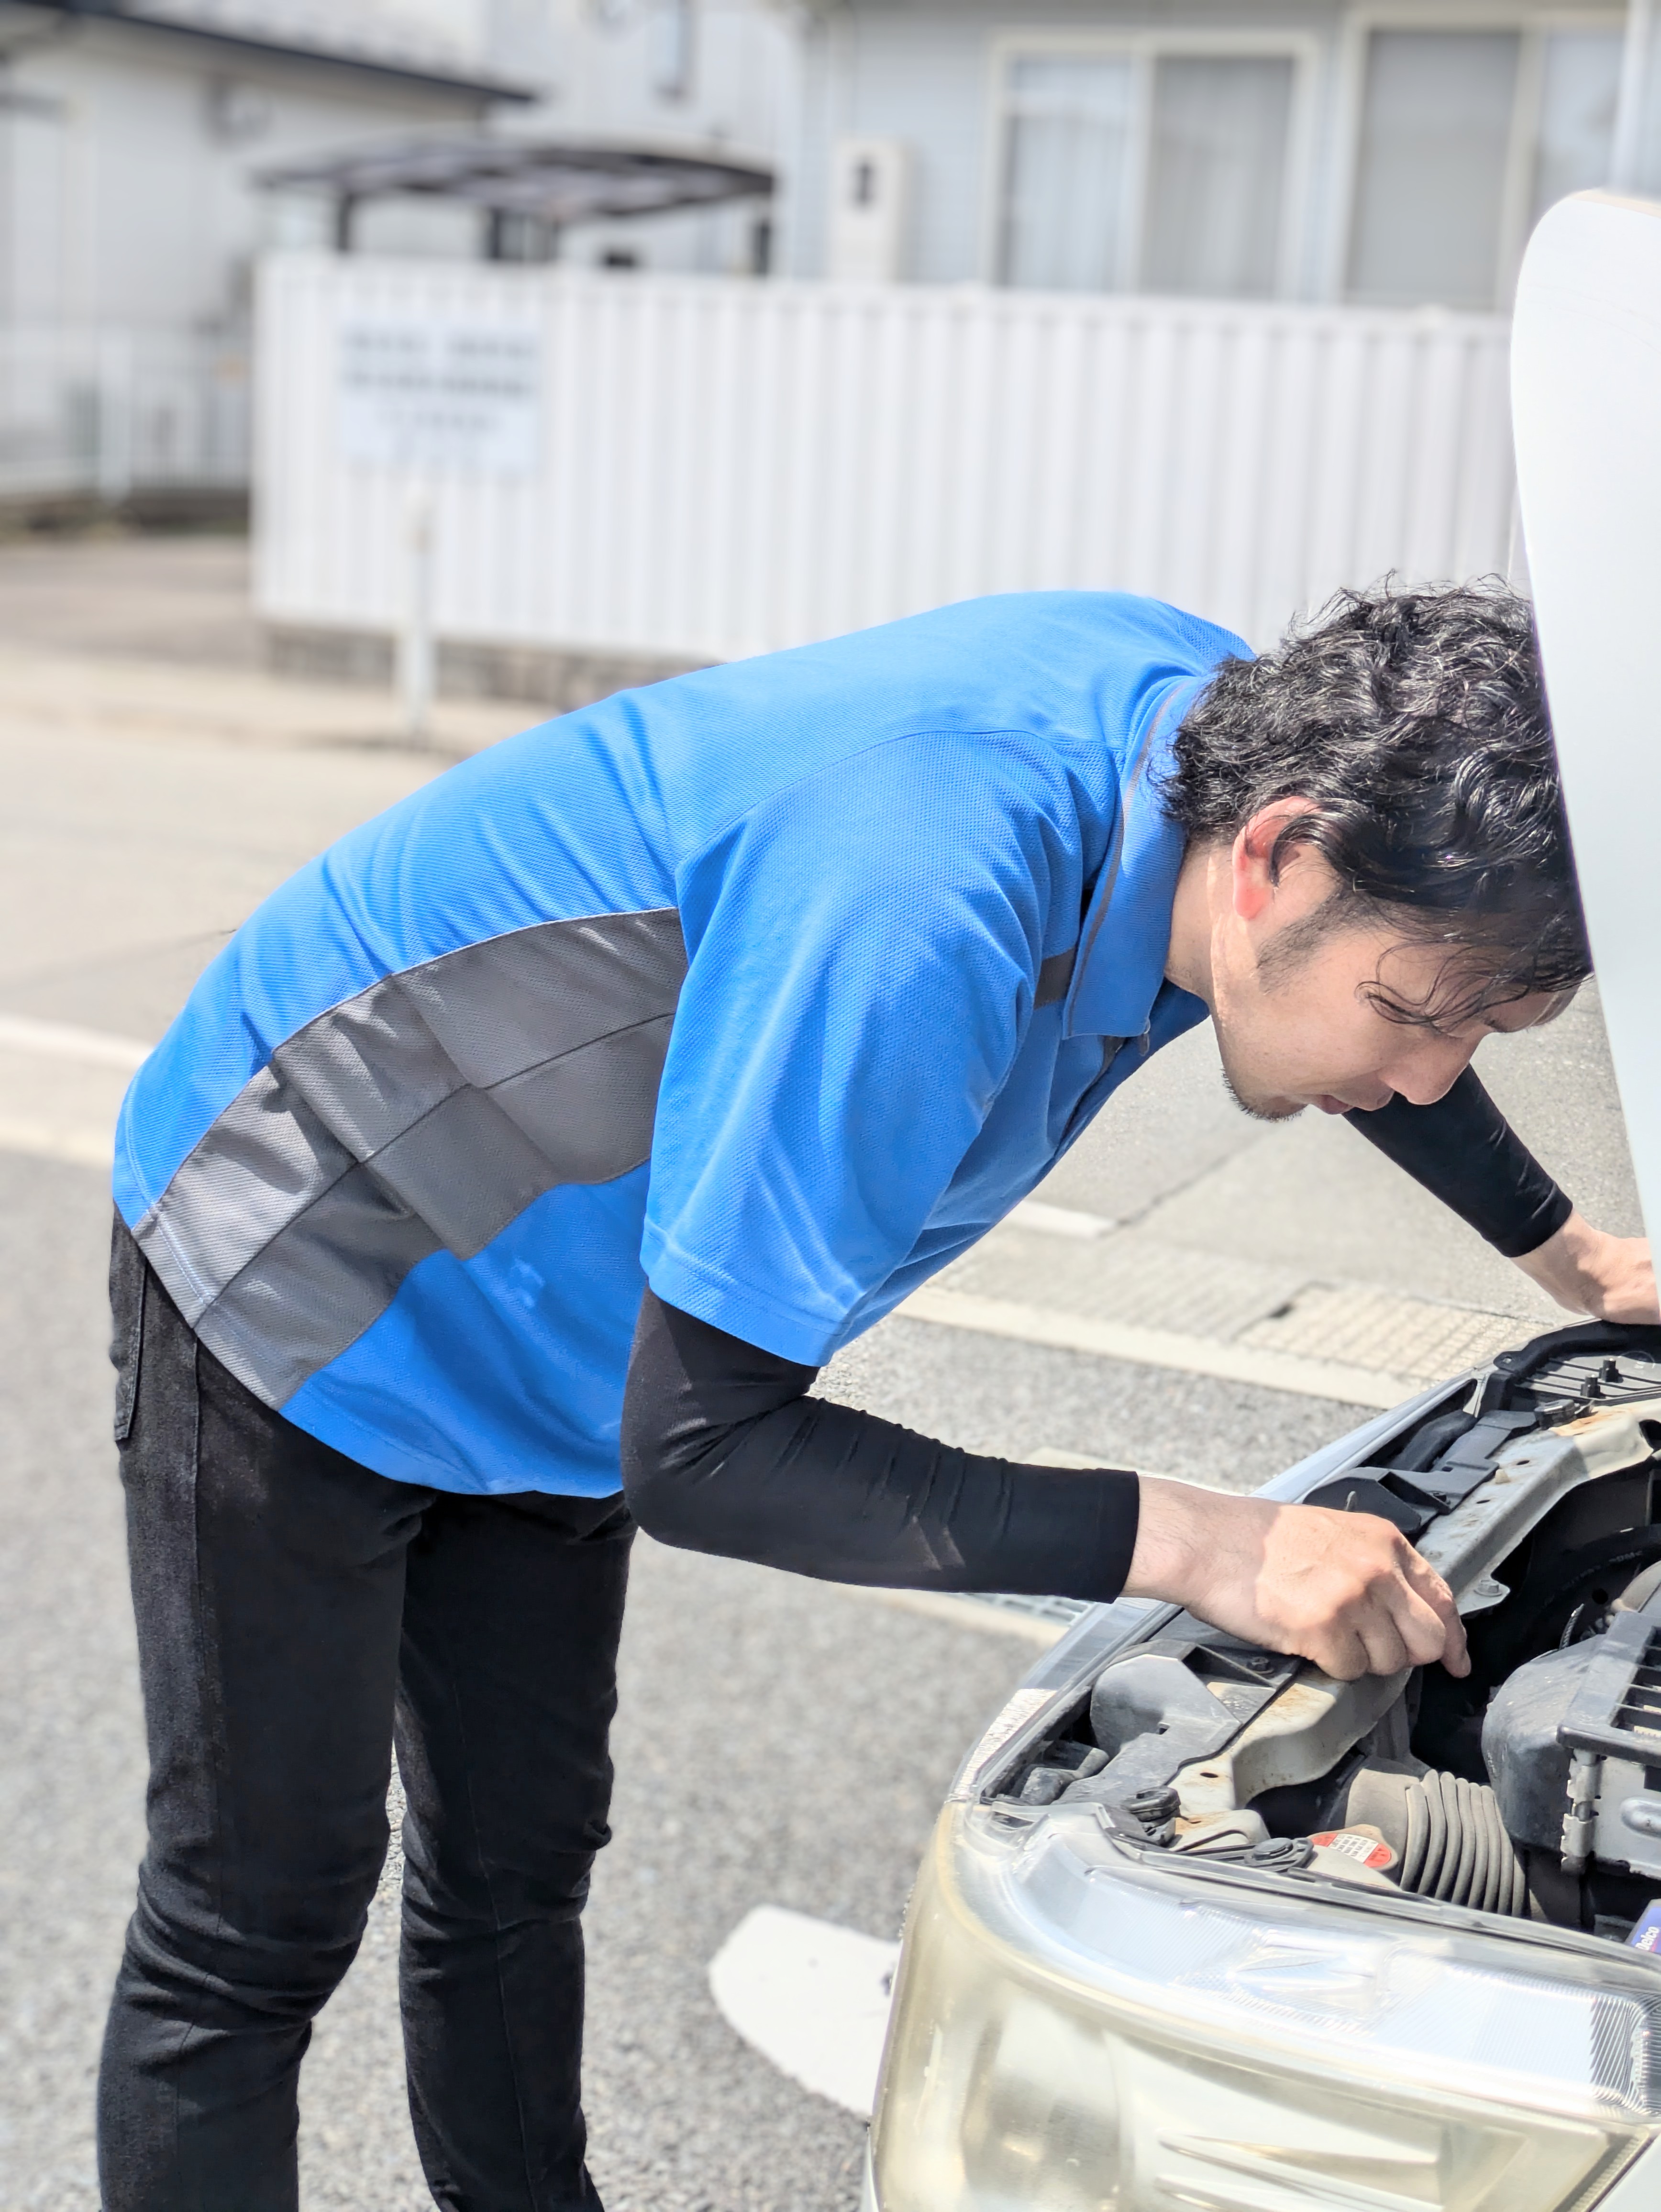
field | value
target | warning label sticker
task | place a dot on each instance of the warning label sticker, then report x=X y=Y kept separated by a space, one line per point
x=1368 y=1851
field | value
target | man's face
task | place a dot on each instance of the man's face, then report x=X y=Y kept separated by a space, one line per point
x=1299 y=1022
x=1312 y=1034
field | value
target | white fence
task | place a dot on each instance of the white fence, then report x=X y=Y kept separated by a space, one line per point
x=103 y=412
x=709 y=468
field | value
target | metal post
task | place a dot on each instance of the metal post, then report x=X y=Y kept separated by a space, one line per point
x=113 y=418
x=1627 y=155
x=416 y=654
x=346 y=208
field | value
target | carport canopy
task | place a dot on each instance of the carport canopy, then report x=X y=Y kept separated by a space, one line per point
x=550 y=181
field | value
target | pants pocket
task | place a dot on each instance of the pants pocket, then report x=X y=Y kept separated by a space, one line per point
x=128 y=1272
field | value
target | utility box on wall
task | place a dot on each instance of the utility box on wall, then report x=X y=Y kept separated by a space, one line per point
x=870 y=210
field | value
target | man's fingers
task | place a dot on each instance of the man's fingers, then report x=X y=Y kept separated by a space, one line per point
x=1341 y=1655
x=1369 y=1603
x=1422 y=1629
x=1386 y=1645
x=1346 y=1590
x=1428 y=1589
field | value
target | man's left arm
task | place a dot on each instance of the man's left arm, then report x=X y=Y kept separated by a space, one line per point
x=1465 y=1152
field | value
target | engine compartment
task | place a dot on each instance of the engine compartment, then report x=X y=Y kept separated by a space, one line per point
x=1530 y=1788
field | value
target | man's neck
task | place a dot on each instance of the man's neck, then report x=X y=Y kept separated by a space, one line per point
x=1188 y=962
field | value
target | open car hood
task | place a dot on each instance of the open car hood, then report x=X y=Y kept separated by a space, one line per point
x=1586 y=396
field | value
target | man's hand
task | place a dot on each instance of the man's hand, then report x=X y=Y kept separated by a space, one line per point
x=1345 y=1590
x=1611 y=1278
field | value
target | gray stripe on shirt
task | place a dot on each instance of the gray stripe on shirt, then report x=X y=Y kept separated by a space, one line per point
x=424 y=1114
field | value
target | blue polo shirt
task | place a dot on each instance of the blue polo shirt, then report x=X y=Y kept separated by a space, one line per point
x=775 y=986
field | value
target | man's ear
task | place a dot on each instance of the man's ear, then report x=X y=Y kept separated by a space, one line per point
x=1252 y=860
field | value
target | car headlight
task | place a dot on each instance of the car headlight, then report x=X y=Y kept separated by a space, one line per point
x=1076 y=2029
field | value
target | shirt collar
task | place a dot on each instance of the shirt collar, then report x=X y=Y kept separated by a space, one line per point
x=1126 y=936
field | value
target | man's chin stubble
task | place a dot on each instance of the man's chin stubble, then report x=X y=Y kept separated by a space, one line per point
x=1261 y=1110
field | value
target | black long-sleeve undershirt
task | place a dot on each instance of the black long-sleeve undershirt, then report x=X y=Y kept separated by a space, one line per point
x=724 y=1451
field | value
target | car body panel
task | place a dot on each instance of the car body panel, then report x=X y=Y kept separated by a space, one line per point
x=1586 y=376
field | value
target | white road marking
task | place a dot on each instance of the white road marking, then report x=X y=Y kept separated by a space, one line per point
x=1157 y=1347
x=964 y=1612
x=63 y=1041
x=1057 y=1220
x=77 y=1133
x=811 y=1998
x=41 y=1140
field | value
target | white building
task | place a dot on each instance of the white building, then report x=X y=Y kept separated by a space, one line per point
x=1366 y=152
x=127 y=137
x=723 y=75
x=1204 y=298
x=1372 y=151
x=130 y=224
x=1380 y=152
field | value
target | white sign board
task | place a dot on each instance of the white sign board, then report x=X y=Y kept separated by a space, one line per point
x=440 y=394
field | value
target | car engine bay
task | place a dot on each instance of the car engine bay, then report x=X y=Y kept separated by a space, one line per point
x=1531 y=1790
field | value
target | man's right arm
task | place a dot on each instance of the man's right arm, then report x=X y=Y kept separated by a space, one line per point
x=725 y=1451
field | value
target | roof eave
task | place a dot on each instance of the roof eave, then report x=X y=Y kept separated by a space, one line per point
x=480 y=91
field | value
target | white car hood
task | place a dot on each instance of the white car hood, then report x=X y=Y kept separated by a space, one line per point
x=1586 y=398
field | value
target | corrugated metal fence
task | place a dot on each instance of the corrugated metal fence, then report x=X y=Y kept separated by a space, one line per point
x=709 y=468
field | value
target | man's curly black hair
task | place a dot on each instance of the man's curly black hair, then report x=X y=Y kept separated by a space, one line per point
x=1415 y=721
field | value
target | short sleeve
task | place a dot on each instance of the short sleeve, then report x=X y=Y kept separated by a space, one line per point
x=863 y=949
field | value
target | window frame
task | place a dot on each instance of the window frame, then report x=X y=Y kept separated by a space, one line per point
x=1143 y=49
x=1533 y=26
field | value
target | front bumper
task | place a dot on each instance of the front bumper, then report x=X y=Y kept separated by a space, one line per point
x=1068 y=2018
x=1639 y=2189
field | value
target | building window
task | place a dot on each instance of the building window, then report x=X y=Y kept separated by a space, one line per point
x=1142 y=170
x=1581 y=93
x=1466 y=138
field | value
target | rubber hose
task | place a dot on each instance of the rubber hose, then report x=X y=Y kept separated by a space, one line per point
x=1468 y=1882
x=1417 y=1841
x=1449 y=1836
x=1436 y=1840
x=1485 y=1861
x=1442 y=1862
x=1478 y=1864
x=1493 y=1865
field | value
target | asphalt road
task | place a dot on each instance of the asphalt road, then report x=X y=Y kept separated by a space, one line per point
x=779 y=1742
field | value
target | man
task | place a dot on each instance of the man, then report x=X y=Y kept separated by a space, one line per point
x=555 y=1128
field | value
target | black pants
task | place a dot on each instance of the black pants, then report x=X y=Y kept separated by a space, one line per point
x=295 y=1611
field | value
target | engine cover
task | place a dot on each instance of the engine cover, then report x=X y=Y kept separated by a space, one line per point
x=1572 y=1746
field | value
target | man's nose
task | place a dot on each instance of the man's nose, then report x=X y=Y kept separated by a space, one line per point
x=1430 y=1070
